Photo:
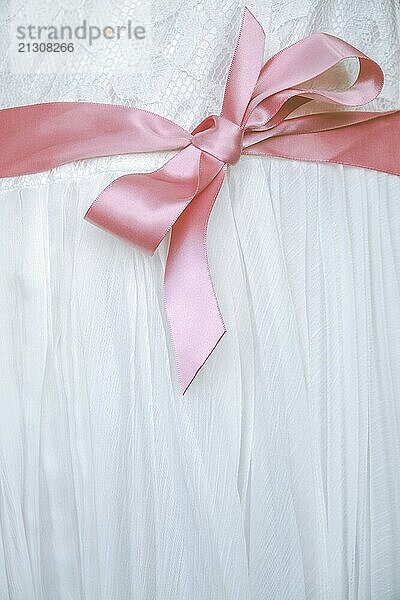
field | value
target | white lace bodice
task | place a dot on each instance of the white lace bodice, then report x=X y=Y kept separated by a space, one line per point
x=179 y=70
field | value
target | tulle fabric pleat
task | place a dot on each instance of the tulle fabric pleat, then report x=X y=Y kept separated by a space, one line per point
x=276 y=476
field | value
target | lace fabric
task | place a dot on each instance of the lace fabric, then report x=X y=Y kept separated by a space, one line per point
x=180 y=69
x=277 y=475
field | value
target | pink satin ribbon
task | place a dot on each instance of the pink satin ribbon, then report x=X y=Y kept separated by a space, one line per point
x=255 y=119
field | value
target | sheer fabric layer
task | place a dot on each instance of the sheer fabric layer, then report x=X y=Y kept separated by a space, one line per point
x=276 y=475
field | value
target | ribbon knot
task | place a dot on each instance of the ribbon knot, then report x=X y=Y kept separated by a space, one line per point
x=219 y=137
x=257 y=117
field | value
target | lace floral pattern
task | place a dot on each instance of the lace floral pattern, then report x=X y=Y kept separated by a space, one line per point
x=181 y=68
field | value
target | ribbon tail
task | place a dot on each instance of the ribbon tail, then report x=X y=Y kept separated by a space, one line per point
x=245 y=68
x=370 y=141
x=194 y=317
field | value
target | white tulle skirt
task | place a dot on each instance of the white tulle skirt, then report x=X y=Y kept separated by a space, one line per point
x=276 y=477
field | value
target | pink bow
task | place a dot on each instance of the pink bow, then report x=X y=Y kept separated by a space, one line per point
x=255 y=119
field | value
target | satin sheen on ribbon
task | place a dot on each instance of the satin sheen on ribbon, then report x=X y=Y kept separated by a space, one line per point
x=256 y=118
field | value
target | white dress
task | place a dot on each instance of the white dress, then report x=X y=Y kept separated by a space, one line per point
x=277 y=476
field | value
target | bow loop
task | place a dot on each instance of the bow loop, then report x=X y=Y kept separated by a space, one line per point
x=141 y=208
x=285 y=84
x=257 y=117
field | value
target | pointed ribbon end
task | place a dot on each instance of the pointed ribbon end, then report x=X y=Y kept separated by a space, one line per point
x=188 y=372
